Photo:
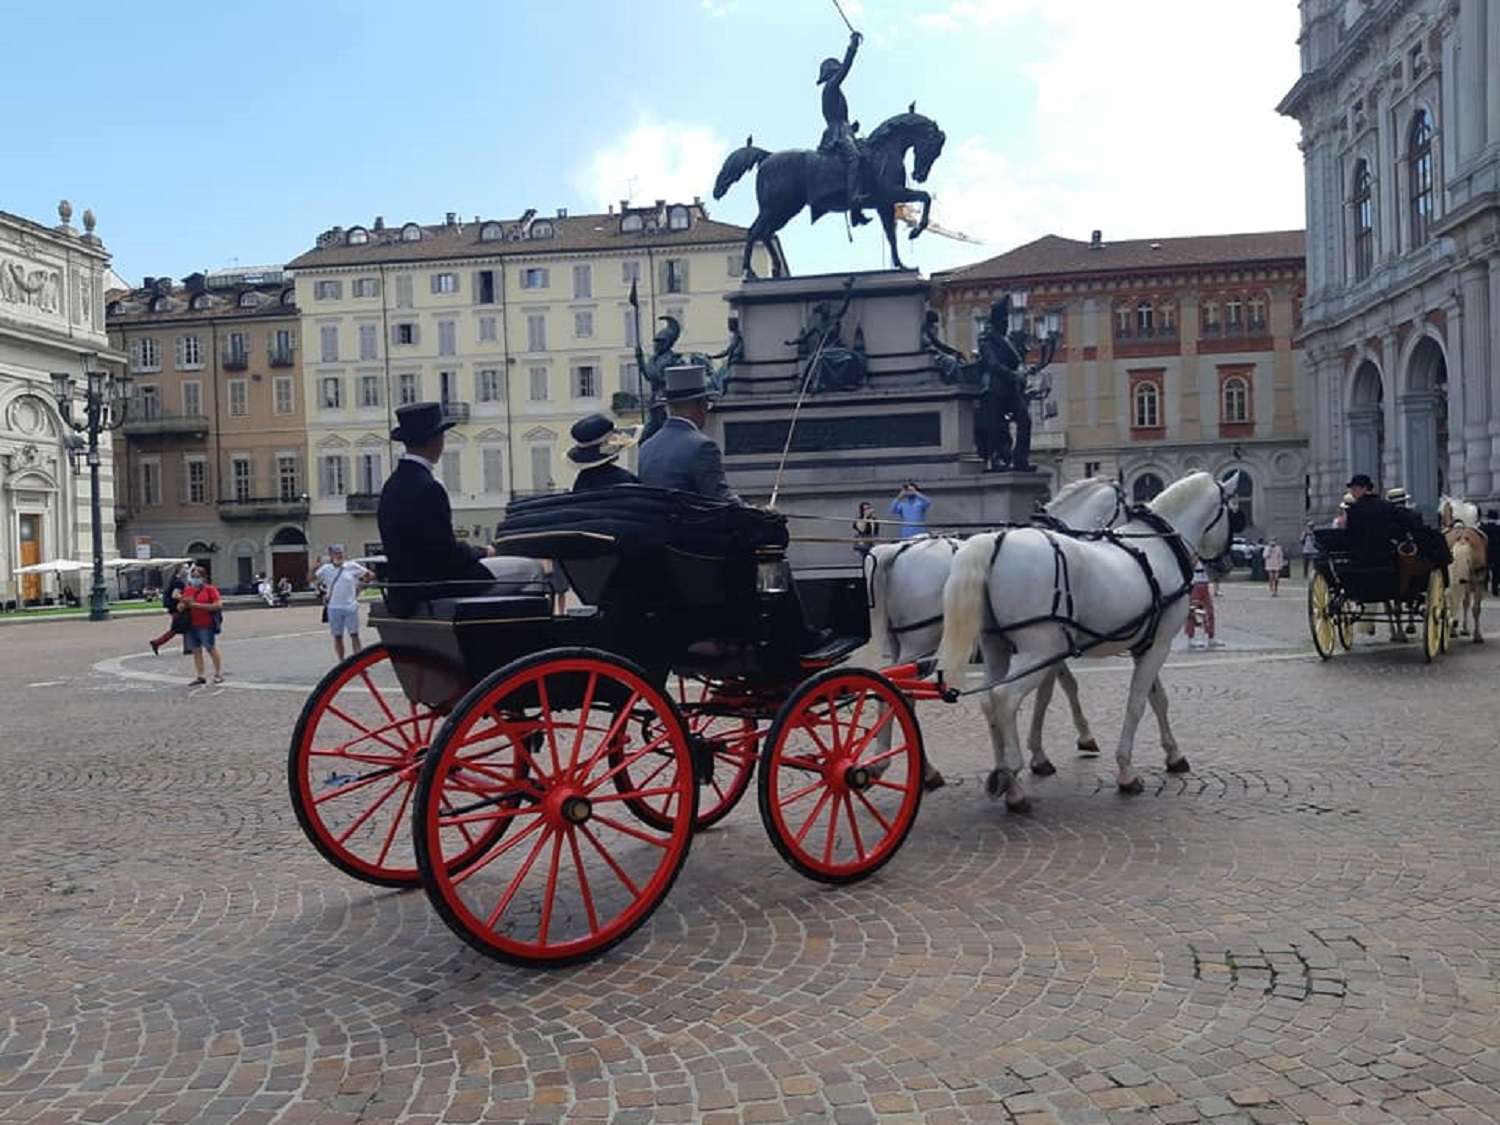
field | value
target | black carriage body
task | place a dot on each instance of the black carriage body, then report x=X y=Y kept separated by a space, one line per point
x=669 y=581
x=1401 y=578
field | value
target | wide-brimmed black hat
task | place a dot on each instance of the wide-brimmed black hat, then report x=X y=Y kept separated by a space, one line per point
x=1360 y=480
x=419 y=422
x=687 y=382
x=597 y=440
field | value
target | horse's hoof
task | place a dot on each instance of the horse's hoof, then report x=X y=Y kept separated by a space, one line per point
x=1043 y=768
x=1134 y=789
x=1478 y=640
x=1179 y=766
x=994 y=787
x=1087 y=746
x=933 y=780
x=913 y=233
x=1023 y=806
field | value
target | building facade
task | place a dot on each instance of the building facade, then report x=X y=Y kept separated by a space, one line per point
x=213 y=454
x=518 y=327
x=51 y=320
x=1176 y=354
x=1399 y=103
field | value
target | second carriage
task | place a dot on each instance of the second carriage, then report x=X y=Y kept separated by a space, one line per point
x=1407 y=592
x=541 y=775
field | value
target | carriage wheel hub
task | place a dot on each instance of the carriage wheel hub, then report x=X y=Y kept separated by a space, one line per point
x=577 y=810
x=566 y=805
x=859 y=778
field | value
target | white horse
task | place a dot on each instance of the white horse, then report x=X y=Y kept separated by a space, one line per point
x=1468 y=573
x=1050 y=596
x=906 y=603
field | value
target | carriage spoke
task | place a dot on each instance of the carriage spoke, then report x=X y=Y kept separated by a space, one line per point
x=621 y=718
x=783 y=802
x=583 y=720
x=859 y=846
x=541 y=692
x=610 y=860
x=364 y=674
x=636 y=794
x=359 y=783
x=833 y=823
x=583 y=882
x=885 y=824
x=367 y=732
x=390 y=836
x=886 y=755
x=515 y=884
x=816 y=810
x=468 y=872
x=550 y=893
x=799 y=763
x=372 y=810
x=654 y=841
x=859 y=709
x=880 y=725
x=461 y=817
x=625 y=763
x=350 y=756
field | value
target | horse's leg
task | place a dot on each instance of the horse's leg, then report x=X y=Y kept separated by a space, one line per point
x=1476 y=602
x=1005 y=778
x=1147 y=667
x=1086 y=743
x=887 y=211
x=752 y=235
x=1005 y=702
x=925 y=198
x=1041 y=765
x=1176 y=761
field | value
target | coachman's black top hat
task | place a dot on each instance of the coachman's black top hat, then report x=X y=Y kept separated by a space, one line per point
x=687 y=382
x=596 y=440
x=419 y=422
x=1360 y=480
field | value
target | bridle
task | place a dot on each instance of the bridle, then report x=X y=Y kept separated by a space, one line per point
x=1225 y=508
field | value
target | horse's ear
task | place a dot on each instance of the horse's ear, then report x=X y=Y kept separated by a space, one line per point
x=912 y=108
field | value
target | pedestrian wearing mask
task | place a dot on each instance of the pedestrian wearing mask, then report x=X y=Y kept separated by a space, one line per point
x=204 y=607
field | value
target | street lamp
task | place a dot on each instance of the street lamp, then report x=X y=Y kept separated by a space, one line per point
x=105 y=396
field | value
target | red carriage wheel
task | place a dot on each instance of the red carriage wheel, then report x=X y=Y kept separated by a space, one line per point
x=575 y=874
x=841 y=775
x=724 y=749
x=352 y=771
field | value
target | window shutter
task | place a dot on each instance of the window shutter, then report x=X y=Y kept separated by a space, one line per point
x=182 y=477
x=474 y=285
x=179 y=351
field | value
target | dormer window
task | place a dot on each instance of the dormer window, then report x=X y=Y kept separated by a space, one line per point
x=358 y=236
x=411 y=233
x=541 y=230
x=250 y=299
x=289 y=297
x=490 y=232
x=631 y=224
x=199 y=302
x=160 y=304
x=677 y=218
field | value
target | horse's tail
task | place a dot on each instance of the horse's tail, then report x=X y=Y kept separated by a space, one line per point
x=877 y=571
x=740 y=161
x=963 y=604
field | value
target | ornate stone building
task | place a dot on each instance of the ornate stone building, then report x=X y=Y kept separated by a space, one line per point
x=1399 y=102
x=213 y=454
x=518 y=326
x=1176 y=354
x=51 y=319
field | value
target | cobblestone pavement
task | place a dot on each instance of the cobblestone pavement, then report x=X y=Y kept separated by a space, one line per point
x=1305 y=928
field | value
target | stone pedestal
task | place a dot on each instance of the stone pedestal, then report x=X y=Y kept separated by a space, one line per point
x=859 y=445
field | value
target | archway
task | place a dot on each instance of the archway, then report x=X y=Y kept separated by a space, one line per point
x=289 y=556
x=1366 y=421
x=202 y=555
x=1244 y=491
x=1424 y=412
x=1146 y=488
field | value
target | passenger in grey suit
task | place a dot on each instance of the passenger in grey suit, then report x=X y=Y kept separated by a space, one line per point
x=680 y=455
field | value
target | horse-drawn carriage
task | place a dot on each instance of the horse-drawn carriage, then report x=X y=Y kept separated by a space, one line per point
x=541 y=775
x=1406 y=591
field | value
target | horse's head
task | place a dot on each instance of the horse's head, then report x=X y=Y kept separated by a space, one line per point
x=910 y=130
x=929 y=146
x=1090 y=504
x=1204 y=512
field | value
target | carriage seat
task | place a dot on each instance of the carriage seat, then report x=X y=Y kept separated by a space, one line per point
x=485 y=607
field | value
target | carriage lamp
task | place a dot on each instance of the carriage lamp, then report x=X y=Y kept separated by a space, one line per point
x=773 y=576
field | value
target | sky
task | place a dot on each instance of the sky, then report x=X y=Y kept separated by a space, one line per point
x=205 y=136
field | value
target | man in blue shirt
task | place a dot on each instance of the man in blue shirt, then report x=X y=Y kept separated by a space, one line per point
x=910 y=507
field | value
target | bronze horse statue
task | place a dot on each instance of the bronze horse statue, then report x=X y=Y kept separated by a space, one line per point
x=792 y=179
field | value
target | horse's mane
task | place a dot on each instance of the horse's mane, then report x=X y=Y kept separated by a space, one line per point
x=1172 y=501
x=890 y=125
x=1068 y=491
x=1465 y=512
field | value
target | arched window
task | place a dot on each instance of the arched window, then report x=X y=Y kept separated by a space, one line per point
x=201 y=301
x=1146 y=488
x=1147 y=406
x=677 y=218
x=630 y=224
x=1363 y=205
x=541 y=230
x=288 y=296
x=1145 y=319
x=1236 y=400
x=358 y=236
x=161 y=304
x=1419 y=169
x=411 y=233
x=249 y=299
x=490 y=232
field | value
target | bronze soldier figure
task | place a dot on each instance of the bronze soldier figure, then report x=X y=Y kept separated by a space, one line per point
x=1003 y=399
x=838 y=136
x=654 y=371
x=945 y=357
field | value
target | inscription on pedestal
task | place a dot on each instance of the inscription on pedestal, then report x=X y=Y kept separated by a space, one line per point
x=817 y=435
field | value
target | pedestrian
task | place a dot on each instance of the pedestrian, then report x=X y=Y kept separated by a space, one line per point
x=284 y=591
x=1201 y=608
x=1275 y=560
x=866 y=529
x=339 y=580
x=1491 y=528
x=263 y=588
x=1309 y=546
x=204 y=606
x=178 y=620
x=910 y=507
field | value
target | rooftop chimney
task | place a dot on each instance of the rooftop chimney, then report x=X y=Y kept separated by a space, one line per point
x=379 y=222
x=1096 y=240
x=562 y=212
x=624 y=206
x=149 y=283
x=452 y=219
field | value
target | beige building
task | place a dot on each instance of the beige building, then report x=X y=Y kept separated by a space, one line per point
x=213 y=455
x=518 y=326
x=1399 y=102
x=1176 y=354
x=51 y=320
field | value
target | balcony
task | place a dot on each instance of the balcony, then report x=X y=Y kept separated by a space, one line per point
x=456 y=412
x=152 y=421
x=281 y=357
x=234 y=362
x=262 y=508
x=362 y=503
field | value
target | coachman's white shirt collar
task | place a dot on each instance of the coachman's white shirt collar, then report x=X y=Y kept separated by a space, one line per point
x=420 y=460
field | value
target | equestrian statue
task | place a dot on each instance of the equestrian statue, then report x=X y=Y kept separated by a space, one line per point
x=845 y=172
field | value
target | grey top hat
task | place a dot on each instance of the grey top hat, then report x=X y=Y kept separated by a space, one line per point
x=687 y=382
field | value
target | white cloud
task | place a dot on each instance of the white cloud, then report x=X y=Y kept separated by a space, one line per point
x=1148 y=121
x=654 y=160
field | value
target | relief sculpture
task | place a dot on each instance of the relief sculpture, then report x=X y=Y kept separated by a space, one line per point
x=37 y=288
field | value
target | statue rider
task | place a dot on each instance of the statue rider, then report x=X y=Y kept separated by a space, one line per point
x=733 y=353
x=1003 y=397
x=654 y=371
x=838 y=137
x=945 y=357
x=838 y=367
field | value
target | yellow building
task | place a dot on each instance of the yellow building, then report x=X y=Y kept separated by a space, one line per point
x=518 y=326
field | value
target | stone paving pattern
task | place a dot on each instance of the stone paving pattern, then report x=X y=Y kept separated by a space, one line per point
x=1306 y=928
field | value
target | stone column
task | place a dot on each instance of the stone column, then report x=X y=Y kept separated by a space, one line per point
x=1419 y=412
x=1492 y=70
x=1481 y=432
x=1470 y=92
x=1453 y=335
x=1391 y=462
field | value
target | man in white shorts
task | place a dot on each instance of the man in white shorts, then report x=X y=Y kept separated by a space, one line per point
x=340 y=581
